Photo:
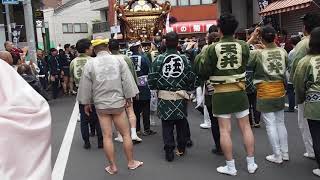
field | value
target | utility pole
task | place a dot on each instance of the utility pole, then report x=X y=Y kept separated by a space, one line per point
x=8 y=22
x=28 y=17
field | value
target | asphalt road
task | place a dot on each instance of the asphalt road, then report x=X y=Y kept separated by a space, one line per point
x=198 y=164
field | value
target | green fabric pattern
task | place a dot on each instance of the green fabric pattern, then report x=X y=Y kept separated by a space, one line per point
x=301 y=51
x=307 y=85
x=172 y=72
x=225 y=62
x=269 y=65
x=76 y=67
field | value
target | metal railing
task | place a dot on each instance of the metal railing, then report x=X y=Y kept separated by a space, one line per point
x=100 y=27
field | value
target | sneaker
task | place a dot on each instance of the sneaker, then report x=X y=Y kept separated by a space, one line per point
x=74 y=92
x=285 y=157
x=136 y=138
x=252 y=168
x=272 y=158
x=180 y=152
x=87 y=145
x=310 y=156
x=149 y=133
x=257 y=125
x=119 y=139
x=205 y=126
x=316 y=172
x=226 y=170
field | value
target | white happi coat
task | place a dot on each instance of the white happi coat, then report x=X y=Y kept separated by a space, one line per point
x=106 y=82
x=25 y=129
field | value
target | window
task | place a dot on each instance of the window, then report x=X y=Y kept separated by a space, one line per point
x=191 y=2
x=183 y=2
x=206 y=1
x=173 y=2
x=195 y=2
x=67 y=28
x=80 y=28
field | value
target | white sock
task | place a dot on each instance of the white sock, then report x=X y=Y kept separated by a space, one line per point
x=231 y=164
x=250 y=160
x=134 y=132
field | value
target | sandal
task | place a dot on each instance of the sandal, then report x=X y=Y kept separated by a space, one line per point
x=179 y=153
x=110 y=171
x=137 y=165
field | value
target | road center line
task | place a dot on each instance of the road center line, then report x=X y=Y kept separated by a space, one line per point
x=62 y=159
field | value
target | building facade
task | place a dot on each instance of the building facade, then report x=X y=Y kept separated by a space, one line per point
x=70 y=22
x=246 y=11
x=288 y=13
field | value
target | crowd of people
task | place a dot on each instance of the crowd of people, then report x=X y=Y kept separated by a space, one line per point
x=227 y=74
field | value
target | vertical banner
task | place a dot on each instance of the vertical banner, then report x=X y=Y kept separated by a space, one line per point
x=16 y=31
x=168 y=28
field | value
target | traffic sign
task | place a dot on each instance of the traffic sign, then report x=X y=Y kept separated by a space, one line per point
x=10 y=2
x=38 y=14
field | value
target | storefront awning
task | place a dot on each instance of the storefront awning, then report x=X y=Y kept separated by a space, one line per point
x=282 y=6
x=191 y=27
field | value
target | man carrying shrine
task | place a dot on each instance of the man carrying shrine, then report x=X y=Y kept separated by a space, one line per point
x=269 y=66
x=172 y=76
x=224 y=65
x=114 y=48
x=310 y=21
x=307 y=85
x=141 y=104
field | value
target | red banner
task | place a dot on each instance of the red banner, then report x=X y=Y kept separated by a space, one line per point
x=193 y=26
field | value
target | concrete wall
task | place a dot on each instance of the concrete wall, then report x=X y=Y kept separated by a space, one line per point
x=79 y=13
x=255 y=13
x=239 y=9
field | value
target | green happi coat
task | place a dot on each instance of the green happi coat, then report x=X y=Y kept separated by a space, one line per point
x=300 y=52
x=130 y=65
x=225 y=62
x=307 y=85
x=172 y=72
x=76 y=67
x=269 y=65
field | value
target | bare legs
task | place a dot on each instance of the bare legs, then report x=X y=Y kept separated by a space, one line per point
x=247 y=135
x=225 y=136
x=65 y=84
x=123 y=127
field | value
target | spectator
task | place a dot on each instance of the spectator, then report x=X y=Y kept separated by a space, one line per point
x=15 y=52
x=43 y=69
x=290 y=90
x=54 y=72
x=26 y=73
x=6 y=56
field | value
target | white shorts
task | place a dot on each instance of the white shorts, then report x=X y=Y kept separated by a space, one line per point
x=238 y=115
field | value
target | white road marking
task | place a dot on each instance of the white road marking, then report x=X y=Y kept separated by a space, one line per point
x=62 y=159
